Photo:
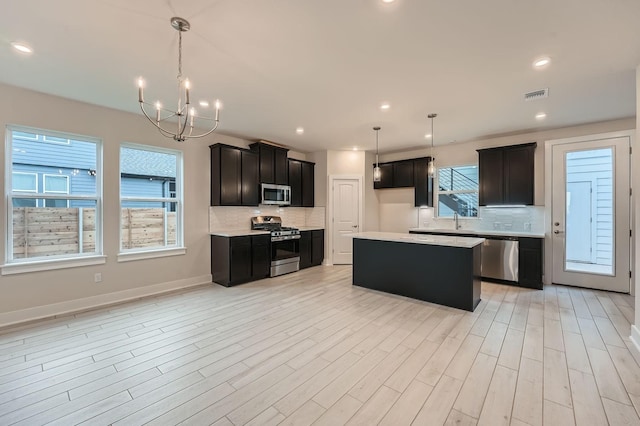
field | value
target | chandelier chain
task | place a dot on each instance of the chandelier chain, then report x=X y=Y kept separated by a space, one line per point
x=179 y=56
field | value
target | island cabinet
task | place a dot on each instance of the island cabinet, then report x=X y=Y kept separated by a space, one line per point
x=311 y=248
x=236 y=260
x=530 y=262
x=301 y=181
x=234 y=176
x=506 y=175
x=273 y=163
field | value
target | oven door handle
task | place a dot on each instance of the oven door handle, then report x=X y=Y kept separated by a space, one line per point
x=285 y=238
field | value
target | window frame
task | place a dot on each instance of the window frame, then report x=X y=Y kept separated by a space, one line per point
x=43 y=263
x=28 y=191
x=437 y=192
x=125 y=255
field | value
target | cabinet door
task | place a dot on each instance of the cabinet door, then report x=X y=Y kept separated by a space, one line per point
x=240 y=259
x=308 y=194
x=317 y=247
x=423 y=183
x=403 y=174
x=267 y=173
x=230 y=177
x=518 y=175
x=530 y=262
x=305 y=249
x=491 y=176
x=386 y=176
x=295 y=181
x=250 y=186
x=281 y=168
x=260 y=256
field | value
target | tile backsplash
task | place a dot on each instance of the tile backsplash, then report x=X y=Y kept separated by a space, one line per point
x=529 y=218
x=222 y=218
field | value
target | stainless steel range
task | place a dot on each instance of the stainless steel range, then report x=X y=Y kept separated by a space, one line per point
x=285 y=244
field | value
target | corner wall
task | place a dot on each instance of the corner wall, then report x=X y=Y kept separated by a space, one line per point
x=635 y=264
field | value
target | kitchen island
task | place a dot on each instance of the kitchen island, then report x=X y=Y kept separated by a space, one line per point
x=434 y=268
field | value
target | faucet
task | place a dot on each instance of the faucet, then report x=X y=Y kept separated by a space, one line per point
x=455 y=220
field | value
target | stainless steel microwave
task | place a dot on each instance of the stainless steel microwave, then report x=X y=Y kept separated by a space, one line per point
x=279 y=195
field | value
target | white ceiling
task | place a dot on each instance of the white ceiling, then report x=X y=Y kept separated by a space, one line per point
x=328 y=65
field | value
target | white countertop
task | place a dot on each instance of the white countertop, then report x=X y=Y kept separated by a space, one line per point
x=436 y=240
x=311 y=228
x=497 y=233
x=238 y=233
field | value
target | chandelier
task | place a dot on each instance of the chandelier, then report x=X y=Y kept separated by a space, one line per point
x=431 y=169
x=184 y=114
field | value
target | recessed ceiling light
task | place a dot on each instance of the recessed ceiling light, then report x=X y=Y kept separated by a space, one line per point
x=541 y=116
x=355 y=148
x=204 y=104
x=299 y=130
x=21 y=47
x=542 y=62
x=427 y=136
x=385 y=106
x=388 y=1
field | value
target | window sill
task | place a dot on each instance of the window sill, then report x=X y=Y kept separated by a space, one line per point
x=51 y=264
x=151 y=254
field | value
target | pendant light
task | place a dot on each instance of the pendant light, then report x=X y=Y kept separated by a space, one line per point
x=377 y=174
x=431 y=170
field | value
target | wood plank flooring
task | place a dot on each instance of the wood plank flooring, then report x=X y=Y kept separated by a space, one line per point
x=309 y=348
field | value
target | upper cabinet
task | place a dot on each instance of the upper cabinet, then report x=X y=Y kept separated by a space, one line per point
x=301 y=180
x=234 y=176
x=406 y=174
x=273 y=163
x=506 y=175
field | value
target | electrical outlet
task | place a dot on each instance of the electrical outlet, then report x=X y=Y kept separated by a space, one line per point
x=98 y=277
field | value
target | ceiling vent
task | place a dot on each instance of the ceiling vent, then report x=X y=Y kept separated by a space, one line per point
x=536 y=94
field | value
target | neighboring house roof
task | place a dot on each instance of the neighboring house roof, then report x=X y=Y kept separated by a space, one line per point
x=146 y=163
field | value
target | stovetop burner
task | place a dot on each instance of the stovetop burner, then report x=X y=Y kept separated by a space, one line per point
x=274 y=225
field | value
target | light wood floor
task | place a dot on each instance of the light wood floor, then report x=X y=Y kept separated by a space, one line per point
x=308 y=348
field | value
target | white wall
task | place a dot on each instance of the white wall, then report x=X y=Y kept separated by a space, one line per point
x=635 y=264
x=29 y=295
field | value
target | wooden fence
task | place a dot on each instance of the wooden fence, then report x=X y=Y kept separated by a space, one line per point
x=39 y=231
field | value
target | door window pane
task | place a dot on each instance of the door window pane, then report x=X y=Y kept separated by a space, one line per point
x=589 y=211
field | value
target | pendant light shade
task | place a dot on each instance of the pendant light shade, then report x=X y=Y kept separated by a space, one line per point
x=377 y=173
x=431 y=169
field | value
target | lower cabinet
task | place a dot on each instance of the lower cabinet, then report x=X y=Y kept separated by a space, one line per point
x=311 y=248
x=530 y=262
x=236 y=260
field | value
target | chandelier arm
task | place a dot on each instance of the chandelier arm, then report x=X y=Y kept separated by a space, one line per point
x=152 y=121
x=207 y=133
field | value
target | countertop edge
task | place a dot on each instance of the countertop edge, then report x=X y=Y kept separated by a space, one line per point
x=479 y=232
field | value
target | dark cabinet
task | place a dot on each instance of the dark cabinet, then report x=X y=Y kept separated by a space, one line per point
x=423 y=184
x=301 y=181
x=311 y=248
x=234 y=176
x=235 y=260
x=403 y=174
x=260 y=256
x=273 y=163
x=506 y=175
x=530 y=262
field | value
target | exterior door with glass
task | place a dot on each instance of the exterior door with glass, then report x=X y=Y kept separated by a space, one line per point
x=590 y=218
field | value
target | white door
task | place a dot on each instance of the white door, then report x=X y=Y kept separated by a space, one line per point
x=590 y=214
x=346 y=216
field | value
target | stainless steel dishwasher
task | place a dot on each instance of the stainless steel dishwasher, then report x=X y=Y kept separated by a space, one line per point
x=500 y=258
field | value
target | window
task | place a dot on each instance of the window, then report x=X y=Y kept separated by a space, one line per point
x=55 y=202
x=150 y=198
x=457 y=191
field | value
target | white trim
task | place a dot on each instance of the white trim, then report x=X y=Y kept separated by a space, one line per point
x=93 y=302
x=129 y=256
x=329 y=237
x=635 y=340
x=19 y=267
x=548 y=145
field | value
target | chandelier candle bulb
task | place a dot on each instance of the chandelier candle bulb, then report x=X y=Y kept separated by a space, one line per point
x=158 y=106
x=193 y=113
x=140 y=84
x=186 y=91
x=217 y=110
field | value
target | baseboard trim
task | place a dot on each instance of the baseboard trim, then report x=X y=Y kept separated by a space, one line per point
x=13 y=318
x=635 y=339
